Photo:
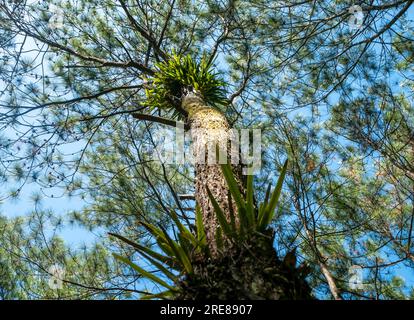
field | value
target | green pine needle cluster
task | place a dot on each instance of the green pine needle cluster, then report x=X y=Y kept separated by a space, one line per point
x=180 y=75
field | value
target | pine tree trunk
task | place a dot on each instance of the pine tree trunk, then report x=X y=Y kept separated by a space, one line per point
x=210 y=128
x=246 y=270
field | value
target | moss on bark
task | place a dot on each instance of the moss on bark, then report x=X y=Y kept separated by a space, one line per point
x=247 y=271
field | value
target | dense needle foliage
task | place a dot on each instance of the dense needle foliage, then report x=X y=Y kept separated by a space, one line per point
x=89 y=91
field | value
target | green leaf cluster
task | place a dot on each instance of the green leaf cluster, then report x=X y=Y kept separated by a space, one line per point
x=180 y=75
x=177 y=256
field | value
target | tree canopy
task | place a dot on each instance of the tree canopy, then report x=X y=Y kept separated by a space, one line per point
x=328 y=83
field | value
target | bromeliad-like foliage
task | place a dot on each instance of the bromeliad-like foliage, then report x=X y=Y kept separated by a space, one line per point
x=177 y=258
x=182 y=74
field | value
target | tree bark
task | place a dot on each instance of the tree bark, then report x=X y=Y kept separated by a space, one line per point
x=249 y=269
x=209 y=128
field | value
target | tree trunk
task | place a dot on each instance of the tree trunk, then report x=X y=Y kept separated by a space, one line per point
x=210 y=128
x=246 y=270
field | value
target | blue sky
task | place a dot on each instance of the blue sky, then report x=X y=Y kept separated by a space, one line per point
x=23 y=205
x=75 y=235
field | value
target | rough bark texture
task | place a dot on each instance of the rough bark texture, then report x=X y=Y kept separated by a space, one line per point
x=250 y=268
x=249 y=271
x=209 y=127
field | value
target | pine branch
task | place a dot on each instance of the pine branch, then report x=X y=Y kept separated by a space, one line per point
x=148 y=117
